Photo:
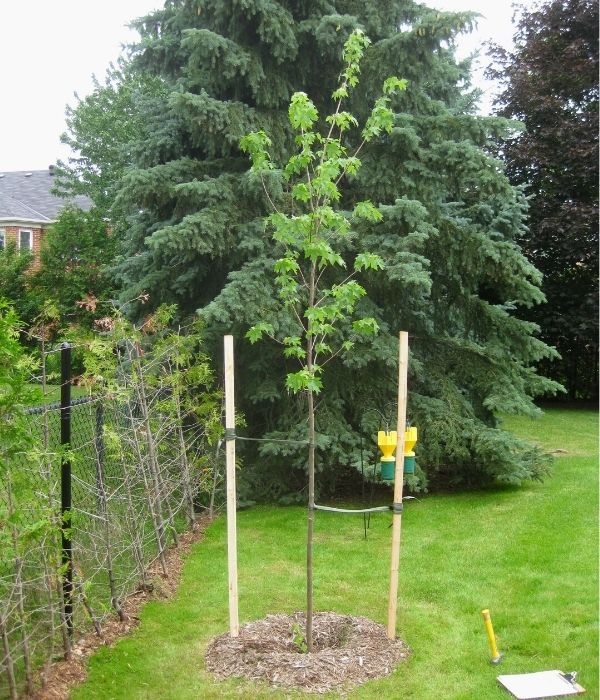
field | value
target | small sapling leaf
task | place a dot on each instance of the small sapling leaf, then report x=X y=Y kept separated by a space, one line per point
x=256 y=332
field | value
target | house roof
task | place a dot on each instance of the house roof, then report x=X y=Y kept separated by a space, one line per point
x=25 y=195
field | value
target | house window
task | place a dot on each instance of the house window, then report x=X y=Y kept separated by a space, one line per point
x=26 y=239
x=2 y=239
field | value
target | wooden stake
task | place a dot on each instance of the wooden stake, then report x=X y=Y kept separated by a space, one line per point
x=398 y=484
x=234 y=625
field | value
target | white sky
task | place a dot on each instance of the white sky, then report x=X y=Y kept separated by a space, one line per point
x=49 y=50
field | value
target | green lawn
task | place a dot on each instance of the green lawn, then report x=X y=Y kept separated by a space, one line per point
x=53 y=393
x=528 y=554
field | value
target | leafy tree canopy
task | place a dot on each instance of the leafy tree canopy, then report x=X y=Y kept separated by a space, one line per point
x=551 y=84
x=73 y=264
x=101 y=131
x=15 y=279
x=15 y=370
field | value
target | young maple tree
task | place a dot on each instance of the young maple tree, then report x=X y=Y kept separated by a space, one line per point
x=316 y=315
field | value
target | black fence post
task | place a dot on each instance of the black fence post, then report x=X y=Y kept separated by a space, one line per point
x=65 y=482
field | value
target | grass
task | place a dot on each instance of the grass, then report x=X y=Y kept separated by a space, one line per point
x=575 y=431
x=53 y=393
x=527 y=554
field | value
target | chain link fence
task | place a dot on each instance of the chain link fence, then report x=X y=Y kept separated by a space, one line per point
x=80 y=523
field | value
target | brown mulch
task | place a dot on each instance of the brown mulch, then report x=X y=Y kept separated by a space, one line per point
x=347 y=651
x=58 y=679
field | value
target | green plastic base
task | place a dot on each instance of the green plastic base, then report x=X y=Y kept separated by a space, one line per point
x=388 y=470
x=409 y=465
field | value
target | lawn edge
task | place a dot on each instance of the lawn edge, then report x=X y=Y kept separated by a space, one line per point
x=58 y=679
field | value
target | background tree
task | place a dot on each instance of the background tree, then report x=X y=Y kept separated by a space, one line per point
x=15 y=282
x=450 y=220
x=73 y=264
x=101 y=130
x=551 y=84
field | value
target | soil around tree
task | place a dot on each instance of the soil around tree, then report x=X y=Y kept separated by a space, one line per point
x=347 y=651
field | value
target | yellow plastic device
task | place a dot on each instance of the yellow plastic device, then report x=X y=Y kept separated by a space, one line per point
x=410 y=440
x=387 y=442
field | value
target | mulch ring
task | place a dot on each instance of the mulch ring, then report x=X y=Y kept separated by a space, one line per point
x=347 y=651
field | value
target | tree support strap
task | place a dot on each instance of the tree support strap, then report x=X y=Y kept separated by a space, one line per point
x=230 y=435
x=395 y=508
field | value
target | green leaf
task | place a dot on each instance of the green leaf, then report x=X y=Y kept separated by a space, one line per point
x=302 y=111
x=340 y=93
x=292 y=340
x=320 y=252
x=256 y=144
x=368 y=261
x=288 y=289
x=381 y=119
x=343 y=120
x=295 y=381
x=365 y=326
x=393 y=84
x=286 y=265
x=348 y=294
x=256 y=332
x=323 y=348
x=324 y=187
x=330 y=219
x=317 y=313
x=304 y=380
x=332 y=149
x=367 y=210
x=301 y=192
x=354 y=48
x=350 y=165
x=297 y=352
x=329 y=169
x=298 y=163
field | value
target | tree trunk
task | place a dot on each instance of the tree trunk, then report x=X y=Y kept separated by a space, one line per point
x=311 y=473
x=311 y=521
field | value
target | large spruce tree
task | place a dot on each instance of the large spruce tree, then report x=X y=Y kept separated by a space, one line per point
x=453 y=272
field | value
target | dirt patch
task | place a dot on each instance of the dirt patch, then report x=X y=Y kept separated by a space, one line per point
x=347 y=651
x=58 y=679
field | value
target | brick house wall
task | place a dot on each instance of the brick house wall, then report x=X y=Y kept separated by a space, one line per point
x=12 y=233
x=28 y=203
